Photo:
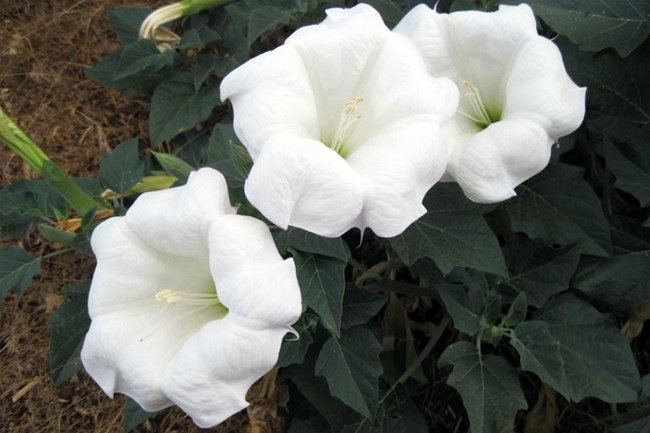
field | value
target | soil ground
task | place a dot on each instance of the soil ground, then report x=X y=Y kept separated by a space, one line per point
x=45 y=46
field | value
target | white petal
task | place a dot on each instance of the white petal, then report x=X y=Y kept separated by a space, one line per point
x=305 y=184
x=271 y=93
x=337 y=53
x=493 y=162
x=128 y=351
x=130 y=270
x=176 y=221
x=398 y=177
x=426 y=29
x=540 y=90
x=211 y=375
x=398 y=87
x=252 y=279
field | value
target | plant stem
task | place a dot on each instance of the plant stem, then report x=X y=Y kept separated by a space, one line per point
x=29 y=151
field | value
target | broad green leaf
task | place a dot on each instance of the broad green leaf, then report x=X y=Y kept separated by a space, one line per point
x=176 y=107
x=488 y=385
x=359 y=306
x=617 y=87
x=351 y=367
x=126 y=23
x=465 y=305
x=572 y=347
x=517 y=311
x=17 y=269
x=26 y=203
x=452 y=234
x=69 y=325
x=630 y=163
x=174 y=165
x=637 y=419
x=322 y=283
x=595 y=25
x=241 y=158
x=122 y=169
x=401 y=415
x=629 y=235
x=538 y=270
x=108 y=70
x=191 y=39
x=311 y=243
x=134 y=415
x=138 y=57
x=559 y=207
x=153 y=183
x=219 y=154
x=623 y=281
x=264 y=20
x=205 y=65
x=294 y=349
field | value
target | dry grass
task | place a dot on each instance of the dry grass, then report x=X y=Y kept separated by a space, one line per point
x=46 y=46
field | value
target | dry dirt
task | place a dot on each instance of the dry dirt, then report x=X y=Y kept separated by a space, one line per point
x=45 y=46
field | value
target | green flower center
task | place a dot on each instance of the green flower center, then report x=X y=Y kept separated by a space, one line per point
x=480 y=114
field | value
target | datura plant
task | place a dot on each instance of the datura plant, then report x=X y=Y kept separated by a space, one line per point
x=189 y=301
x=343 y=125
x=516 y=97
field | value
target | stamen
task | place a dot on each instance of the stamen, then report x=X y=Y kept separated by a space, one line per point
x=346 y=122
x=170 y=297
x=476 y=102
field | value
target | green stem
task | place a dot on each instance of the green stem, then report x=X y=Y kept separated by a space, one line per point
x=29 y=151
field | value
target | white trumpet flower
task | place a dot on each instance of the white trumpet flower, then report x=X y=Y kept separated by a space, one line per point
x=516 y=97
x=342 y=123
x=189 y=302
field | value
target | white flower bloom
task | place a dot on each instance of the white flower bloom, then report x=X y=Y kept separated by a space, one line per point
x=189 y=302
x=342 y=123
x=518 y=98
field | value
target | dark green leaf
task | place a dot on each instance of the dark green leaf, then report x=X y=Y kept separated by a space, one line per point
x=452 y=233
x=637 y=419
x=559 y=207
x=311 y=243
x=137 y=80
x=241 y=158
x=191 y=39
x=24 y=204
x=17 y=269
x=465 y=304
x=176 y=107
x=69 y=325
x=517 y=311
x=488 y=385
x=122 y=169
x=595 y=25
x=294 y=348
x=205 y=65
x=623 y=281
x=265 y=19
x=301 y=426
x=351 y=367
x=538 y=270
x=126 y=23
x=572 y=347
x=359 y=306
x=134 y=415
x=322 y=283
x=630 y=162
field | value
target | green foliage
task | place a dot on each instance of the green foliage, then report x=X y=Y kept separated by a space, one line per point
x=122 y=169
x=570 y=346
x=452 y=233
x=351 y=367
x=134 y=415
x=322 y=283
x=17 y=269
x=594 y=25
x=488 y=385
x=69 y=325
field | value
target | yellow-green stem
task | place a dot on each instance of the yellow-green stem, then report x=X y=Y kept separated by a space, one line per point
x=29 y=151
